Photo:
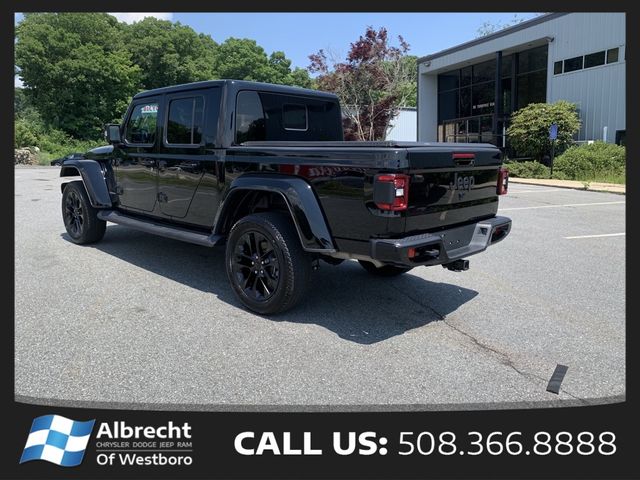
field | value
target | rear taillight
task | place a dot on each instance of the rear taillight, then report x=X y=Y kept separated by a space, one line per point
x=503 y=181
x=391 y=191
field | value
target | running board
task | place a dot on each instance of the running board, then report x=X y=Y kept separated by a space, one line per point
x=149 y=226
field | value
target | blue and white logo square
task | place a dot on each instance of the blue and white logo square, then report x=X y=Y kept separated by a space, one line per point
x=57 y=440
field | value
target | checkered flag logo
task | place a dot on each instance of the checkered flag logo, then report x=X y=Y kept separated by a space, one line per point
x=57 y=440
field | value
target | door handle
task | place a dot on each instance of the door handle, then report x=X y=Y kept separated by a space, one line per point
x=464 y=159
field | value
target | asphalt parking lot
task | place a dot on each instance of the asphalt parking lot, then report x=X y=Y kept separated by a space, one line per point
x=138 y=321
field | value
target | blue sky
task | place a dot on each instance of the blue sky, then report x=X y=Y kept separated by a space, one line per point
x=300 y=34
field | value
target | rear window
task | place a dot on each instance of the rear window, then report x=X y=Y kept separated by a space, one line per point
x=277 y=117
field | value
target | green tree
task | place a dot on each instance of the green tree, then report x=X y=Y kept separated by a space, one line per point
x=299 y=77
x=244 y=59
x=75 y=69
x=280 y=67
x=21 y=104
x=169 y=53
x=410 y=87
x=372 y=82
x=80 y=70
x=529 y=129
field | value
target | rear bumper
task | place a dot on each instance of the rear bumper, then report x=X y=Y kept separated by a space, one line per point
x=441 y=247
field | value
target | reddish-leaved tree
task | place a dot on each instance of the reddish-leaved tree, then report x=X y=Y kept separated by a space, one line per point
x=371 y=83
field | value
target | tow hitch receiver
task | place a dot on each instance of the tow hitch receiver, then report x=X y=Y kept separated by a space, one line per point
x=457 y=265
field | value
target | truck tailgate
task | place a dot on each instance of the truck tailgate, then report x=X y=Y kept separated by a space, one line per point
x=451 y=184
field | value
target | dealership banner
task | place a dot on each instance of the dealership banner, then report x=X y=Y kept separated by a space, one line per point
x=577 y=442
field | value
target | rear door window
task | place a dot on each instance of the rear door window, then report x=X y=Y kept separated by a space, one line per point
x=185 y=121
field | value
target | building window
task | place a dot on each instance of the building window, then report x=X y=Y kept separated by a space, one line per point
x=473 y=130
x=557 y=67
x=486 y=129
x=594 y=59
x=532 y=88
x=484 y=72
x=573 y=64
x=465 y=102
x=507 y=65
x=483 y=98
x=465 y=76
x=448 y=106
x=467 y=96
x=532 y=60
x=448 y=81
x=506 y=95
x=587 y=61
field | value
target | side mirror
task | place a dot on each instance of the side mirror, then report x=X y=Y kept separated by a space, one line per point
x=112 y=133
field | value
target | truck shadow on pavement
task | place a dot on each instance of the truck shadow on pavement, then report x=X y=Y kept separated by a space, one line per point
x=344 y=299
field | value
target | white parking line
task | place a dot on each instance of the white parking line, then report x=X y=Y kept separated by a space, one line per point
x=534 y=191
x=597 y=236
x=557 y=206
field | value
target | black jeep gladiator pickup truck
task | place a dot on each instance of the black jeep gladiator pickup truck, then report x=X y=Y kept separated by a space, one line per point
x=264 y=170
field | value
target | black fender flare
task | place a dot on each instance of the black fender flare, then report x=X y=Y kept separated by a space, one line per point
x=93 y=179
x=303 y=205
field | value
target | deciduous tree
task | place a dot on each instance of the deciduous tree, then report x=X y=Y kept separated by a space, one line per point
x=169 y=53
x=75 y=69
x=528 y=133
x=372 y=82
x=244 y=59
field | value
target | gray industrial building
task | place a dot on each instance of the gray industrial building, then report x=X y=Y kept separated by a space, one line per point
x=467 y=93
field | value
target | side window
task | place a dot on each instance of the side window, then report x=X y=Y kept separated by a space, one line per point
x=185 y=121
x=294 y=117
x=141 y=127
x=250 y=123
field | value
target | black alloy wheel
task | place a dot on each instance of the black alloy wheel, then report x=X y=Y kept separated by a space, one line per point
x=73 y=214
x=266 y=265
x=255 y=266
x=79 y=216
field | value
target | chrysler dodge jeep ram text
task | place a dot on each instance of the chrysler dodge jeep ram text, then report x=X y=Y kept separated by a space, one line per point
x=263 y=169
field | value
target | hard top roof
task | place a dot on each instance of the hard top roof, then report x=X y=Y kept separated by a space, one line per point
x=237 y=85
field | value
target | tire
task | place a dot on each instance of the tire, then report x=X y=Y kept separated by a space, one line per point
x=80 y=218
x=270 y=237
x=385 y=270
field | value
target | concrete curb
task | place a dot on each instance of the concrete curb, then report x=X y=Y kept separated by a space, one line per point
x=572 y=184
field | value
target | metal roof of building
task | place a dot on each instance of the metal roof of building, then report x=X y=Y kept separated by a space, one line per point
x=501 y=33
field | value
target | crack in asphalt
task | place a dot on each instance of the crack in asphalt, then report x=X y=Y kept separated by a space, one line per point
x=503 y=357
